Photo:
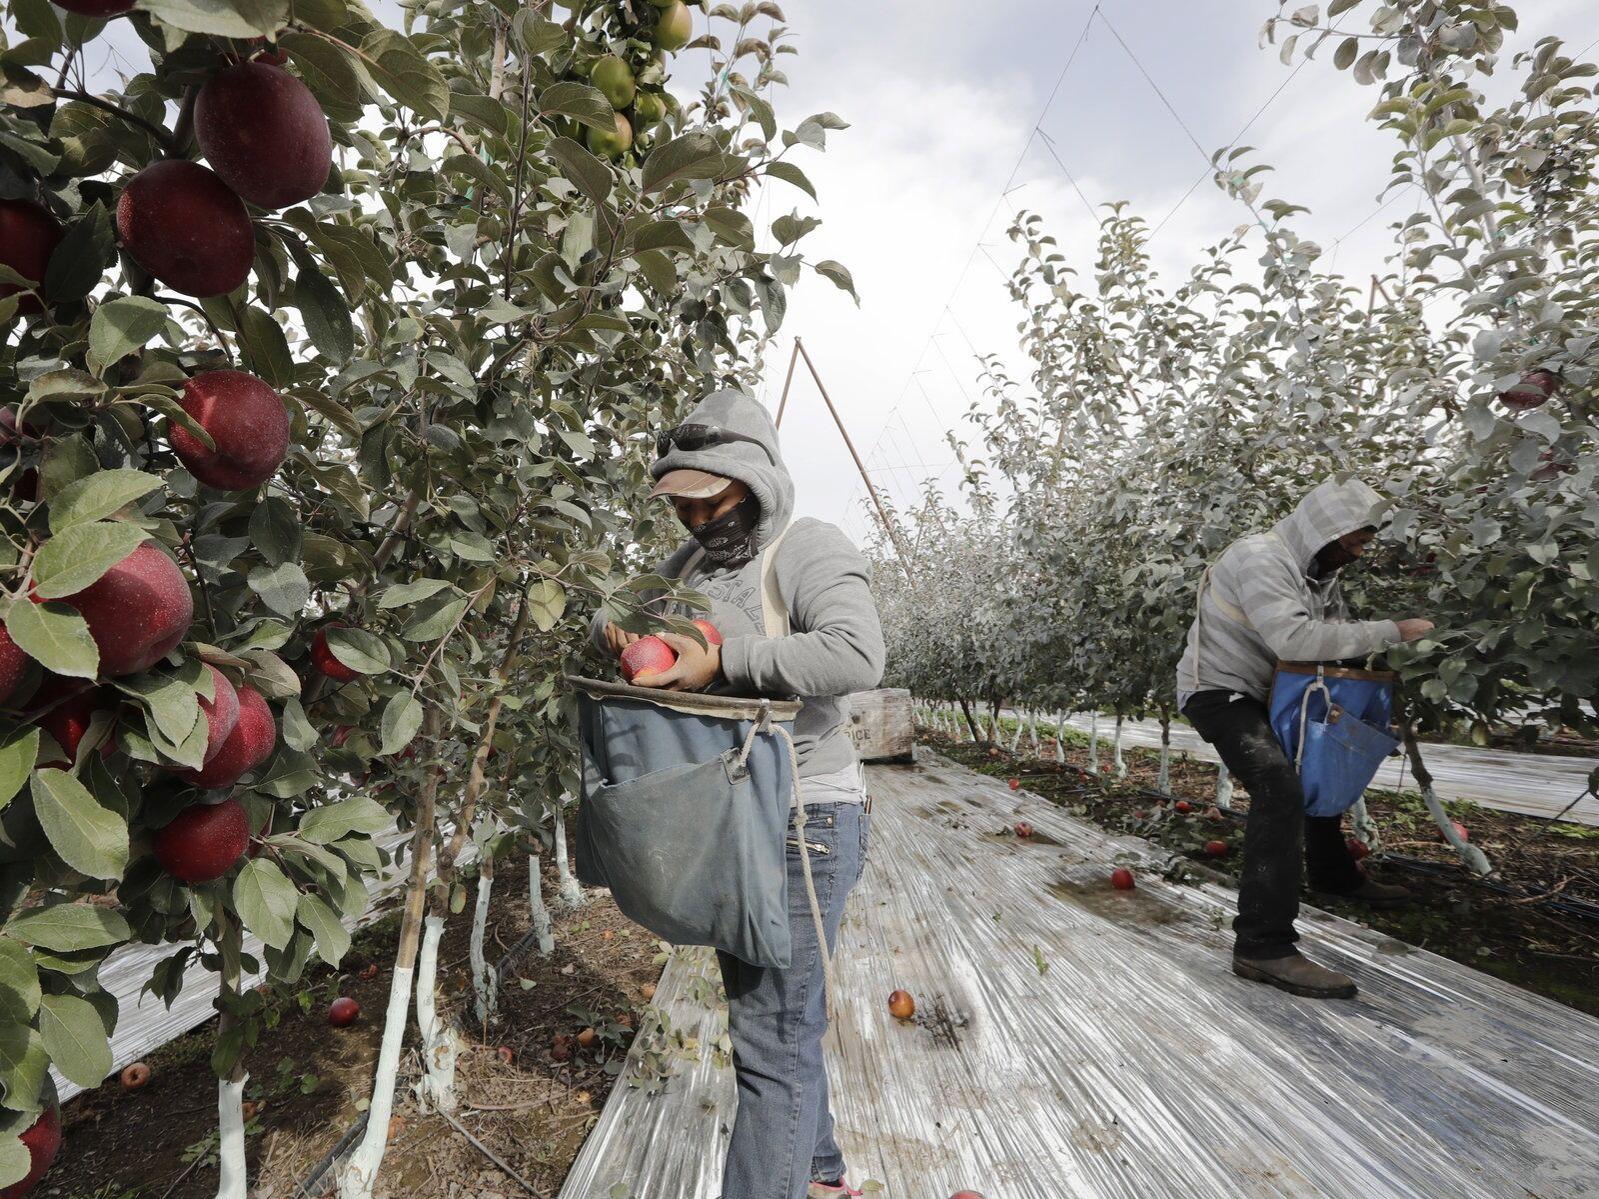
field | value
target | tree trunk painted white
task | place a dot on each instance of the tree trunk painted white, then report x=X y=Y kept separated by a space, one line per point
x=232 y=1181
x=1032 y=733
x=1163 y=781
x=570 y=891
x=1365 y=827
x=441 y=1044
x=1060 y=737
x=1224 y=788
x=1474 y=858
x=1116 y=752
x=1093 y=743
x=484 y=979
x=536 y=904
x=361 y=1170
x=1016 y=737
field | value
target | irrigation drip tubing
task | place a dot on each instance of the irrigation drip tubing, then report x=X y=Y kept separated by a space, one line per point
x=311 y=1184
x=514 y=952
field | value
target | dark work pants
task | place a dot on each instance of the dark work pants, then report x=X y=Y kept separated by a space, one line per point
x=1268 y=892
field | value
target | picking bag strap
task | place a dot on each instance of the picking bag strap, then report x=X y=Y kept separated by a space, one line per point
x=774 y=612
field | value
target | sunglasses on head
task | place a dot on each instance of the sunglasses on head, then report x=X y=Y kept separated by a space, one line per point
x=700 y=437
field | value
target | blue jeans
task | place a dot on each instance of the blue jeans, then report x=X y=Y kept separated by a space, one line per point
x=783 y=1130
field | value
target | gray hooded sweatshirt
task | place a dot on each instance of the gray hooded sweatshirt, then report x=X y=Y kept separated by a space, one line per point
x=1261 y=605
x=835 y=643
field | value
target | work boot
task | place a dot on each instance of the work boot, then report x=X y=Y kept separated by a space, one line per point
x=1297 y=975
x=1373 y=894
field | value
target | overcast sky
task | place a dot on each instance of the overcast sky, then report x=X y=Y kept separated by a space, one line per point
x=942 y=97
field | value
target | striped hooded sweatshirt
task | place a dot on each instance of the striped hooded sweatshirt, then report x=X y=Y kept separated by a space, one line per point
x=835 y=641
x=1261 y=605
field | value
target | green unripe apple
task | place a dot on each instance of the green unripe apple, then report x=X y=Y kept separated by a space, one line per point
x=675 y=27
x=612 y=144
x=648 y=110
x=614 y=78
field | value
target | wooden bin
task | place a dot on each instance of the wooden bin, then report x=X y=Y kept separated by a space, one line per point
x=882 y=726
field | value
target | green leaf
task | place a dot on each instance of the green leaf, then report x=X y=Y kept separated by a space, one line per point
x=547 y=599
x=75 y=1039
x=295 y=728
x=123 y=325
x=56 y=636
x=275 y=530
x=329 y=823
x=409 y=593
x=288 y=774
x=401 y=71
x=332 y=938
x=283 y=588
x=435 y=618
x=266 y=901
x=18 y=753
x=224 y=18
x=70 y=927
x=82 y=256
x=97 y=496
x=80 y=556
x=481 y=111
x=402 y=717
x=89 y=838
x=333 y=76
x=789 y=173
x=266 y=349
x=360 y=650
x=327 y=316
x=19 y=982
x=584 y=104
x=66 y=384
x=24 y=1065
x=839 y=274
x=16 y=1160
x=692 y=156
x=591 y=176
x=173 y=703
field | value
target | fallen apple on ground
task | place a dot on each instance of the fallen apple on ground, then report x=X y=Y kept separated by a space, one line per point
x=1216 y=849
x=506 y=1054
x=1014 y=784
x=1183 y=806
x=343 y=1012
x=1358 y=849
x=1023 y=829
x=1122 y=879
x=586 y=1038
x=134 y=1076
x=561 y=1048
x=901 y=1006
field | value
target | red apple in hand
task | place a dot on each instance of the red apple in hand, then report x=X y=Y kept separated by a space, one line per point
x=1122 y=879
x=203 y=842
x=647 y=655
x=713 y=635
x=343 y=1012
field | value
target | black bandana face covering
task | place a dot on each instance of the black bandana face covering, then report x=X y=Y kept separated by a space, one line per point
x=729 y=540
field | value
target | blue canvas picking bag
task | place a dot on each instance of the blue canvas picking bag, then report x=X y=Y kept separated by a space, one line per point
x=1334 y=723
x=685 y=812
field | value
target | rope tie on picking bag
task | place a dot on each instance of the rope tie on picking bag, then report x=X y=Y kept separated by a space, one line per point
x=829 y=986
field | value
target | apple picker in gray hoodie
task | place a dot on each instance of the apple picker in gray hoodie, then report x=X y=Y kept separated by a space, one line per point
x=835 y=645
x=1261 y=604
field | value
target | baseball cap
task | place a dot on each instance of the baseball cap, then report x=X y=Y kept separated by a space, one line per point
x=690 y=484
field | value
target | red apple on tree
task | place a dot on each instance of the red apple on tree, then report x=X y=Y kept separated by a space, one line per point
x=324 y=659
x=66 y=707
x=264 y=134
x=43 y=1141
x=187 y=228
x=250 y=743
x=245 y=419
x=203 y=842
x=1533 y=390
x=137 y=612
x=28 y=236
x=13 y=665
x=221 y=712
x=647 y=655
